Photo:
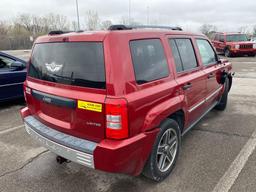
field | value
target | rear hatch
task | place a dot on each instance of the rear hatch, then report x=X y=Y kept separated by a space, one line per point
x=68 y=87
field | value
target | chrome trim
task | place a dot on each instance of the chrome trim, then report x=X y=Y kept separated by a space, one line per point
x=199 y=119
x=214 y=93
x=66 y=152
x=205 y=100
x=196 y=106
x=12 y=84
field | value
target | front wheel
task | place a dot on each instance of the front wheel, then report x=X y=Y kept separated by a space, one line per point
x=165 y=151
x=227 y=53
x=252 y=54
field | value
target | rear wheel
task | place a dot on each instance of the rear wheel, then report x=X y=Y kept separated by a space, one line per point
x=224 y=98
x=165 y=151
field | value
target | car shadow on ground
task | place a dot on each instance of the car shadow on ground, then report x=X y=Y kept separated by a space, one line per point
x=17 y=103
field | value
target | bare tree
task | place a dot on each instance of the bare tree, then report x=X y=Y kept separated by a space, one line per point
x=125 y=21
x=92 y=20
x=3 y=28
x=74 y=25
x=254 y=30
x=16 y=33
x=106 y=24
x=57 y=22
x=244 y=30
x=208 y=29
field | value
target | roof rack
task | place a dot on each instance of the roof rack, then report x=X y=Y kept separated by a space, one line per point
x=130 y=27
x=58 y=32
x=119 y=27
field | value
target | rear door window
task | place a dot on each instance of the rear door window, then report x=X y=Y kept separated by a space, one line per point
x=176 y=55
x=184 y=54
x=149 y=60
x=73 y=63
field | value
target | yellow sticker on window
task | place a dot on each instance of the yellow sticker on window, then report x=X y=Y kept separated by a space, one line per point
x=89 y=106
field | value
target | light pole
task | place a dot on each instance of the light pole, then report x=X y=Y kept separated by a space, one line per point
x=147 y=15
x=77 y=13
x=129 y=12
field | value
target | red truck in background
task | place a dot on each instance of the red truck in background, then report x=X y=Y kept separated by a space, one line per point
x=121 y=100
x=233 y=44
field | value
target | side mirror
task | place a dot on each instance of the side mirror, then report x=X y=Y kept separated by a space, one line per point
x=18 y=65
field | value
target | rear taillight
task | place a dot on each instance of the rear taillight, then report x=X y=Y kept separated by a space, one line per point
x=27 y=90
x=116 y=119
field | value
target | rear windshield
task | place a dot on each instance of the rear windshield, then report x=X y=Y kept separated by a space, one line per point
x=78 y=64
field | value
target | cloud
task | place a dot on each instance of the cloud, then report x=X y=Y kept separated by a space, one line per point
x=227 y=15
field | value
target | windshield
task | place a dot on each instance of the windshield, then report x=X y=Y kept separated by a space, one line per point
x=237 y=38
x=79 y=64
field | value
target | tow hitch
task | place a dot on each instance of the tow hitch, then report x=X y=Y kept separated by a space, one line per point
x=62 y=160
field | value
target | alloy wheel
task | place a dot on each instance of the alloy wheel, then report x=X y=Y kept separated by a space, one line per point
x=167 y=150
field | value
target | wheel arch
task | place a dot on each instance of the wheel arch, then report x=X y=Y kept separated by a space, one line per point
x=179 y=116
x=171 y=108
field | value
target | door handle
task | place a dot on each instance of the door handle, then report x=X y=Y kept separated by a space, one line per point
x=211 y=75
x=187 y=86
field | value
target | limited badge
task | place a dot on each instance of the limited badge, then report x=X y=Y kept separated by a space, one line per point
x=89 y=106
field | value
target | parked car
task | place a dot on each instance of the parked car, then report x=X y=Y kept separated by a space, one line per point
x=12 y=75
x=253 y=39
x=233 y=44
x=120 y=100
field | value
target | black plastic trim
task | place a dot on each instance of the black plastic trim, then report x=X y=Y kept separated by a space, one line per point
x=55 y=100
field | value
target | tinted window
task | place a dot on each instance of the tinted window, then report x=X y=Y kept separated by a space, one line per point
x=79 y=64
x=237 y=38
x=217 y=37
x=176 y=55
x=149 y=60
x=187 y=53
x=5 y=62
x=221 y=38
x=206 y=51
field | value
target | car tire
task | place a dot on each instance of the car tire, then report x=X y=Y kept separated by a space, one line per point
x=222 y=104
x=227 y=52
x=165 y=151
x=252 y=54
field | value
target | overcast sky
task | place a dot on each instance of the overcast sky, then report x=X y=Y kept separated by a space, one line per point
x=227 y=15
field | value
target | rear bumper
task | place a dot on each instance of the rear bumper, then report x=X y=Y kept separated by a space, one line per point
x=72 y=148
x=125 y=156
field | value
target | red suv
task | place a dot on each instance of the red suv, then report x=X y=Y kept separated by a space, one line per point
x=231 y=44
x=120 y=100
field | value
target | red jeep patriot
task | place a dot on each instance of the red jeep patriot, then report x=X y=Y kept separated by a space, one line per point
x=231 y=44
x=120 y=100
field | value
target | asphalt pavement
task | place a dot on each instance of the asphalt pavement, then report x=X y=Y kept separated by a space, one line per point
x=217 y=155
